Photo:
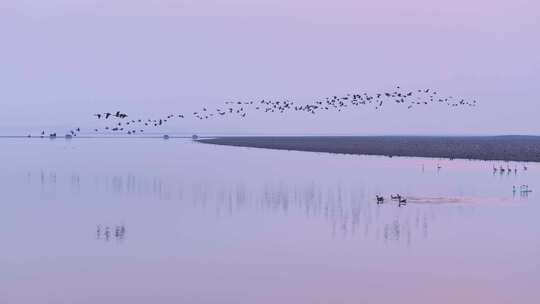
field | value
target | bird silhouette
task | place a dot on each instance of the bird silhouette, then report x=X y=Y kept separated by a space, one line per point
x=337 y=103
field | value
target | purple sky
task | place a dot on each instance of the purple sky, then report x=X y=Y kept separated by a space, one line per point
x=60 y=61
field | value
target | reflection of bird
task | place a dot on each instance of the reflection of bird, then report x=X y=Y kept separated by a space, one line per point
x=524 y=190
x=107 y=233
x=98 y=231
x=117 y=231
x=402 y=201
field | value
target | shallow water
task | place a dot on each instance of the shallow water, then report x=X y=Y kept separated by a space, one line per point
x=196 y=223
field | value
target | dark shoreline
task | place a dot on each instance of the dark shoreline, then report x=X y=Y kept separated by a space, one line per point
x=503 y=148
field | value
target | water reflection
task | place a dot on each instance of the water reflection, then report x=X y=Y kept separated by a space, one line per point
x=107 y=233
x=203 y=218
x=349 y=210
x=522 y=190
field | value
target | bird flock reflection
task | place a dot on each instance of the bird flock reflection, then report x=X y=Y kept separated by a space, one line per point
x=108 y=233
x=347 y=209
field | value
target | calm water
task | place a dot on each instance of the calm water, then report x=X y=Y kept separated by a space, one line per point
x=155 y=221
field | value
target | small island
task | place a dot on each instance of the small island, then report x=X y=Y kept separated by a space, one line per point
x=504 y=148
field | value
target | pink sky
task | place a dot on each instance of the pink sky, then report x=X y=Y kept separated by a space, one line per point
x=62 y=61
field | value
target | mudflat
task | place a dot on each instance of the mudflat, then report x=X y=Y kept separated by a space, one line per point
x=505 y=148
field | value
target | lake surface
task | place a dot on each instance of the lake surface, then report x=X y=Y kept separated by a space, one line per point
x=174 y=221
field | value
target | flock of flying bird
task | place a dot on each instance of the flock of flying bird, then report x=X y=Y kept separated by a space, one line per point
x=121 y=123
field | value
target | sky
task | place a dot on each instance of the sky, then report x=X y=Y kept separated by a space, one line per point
x=63 y=60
